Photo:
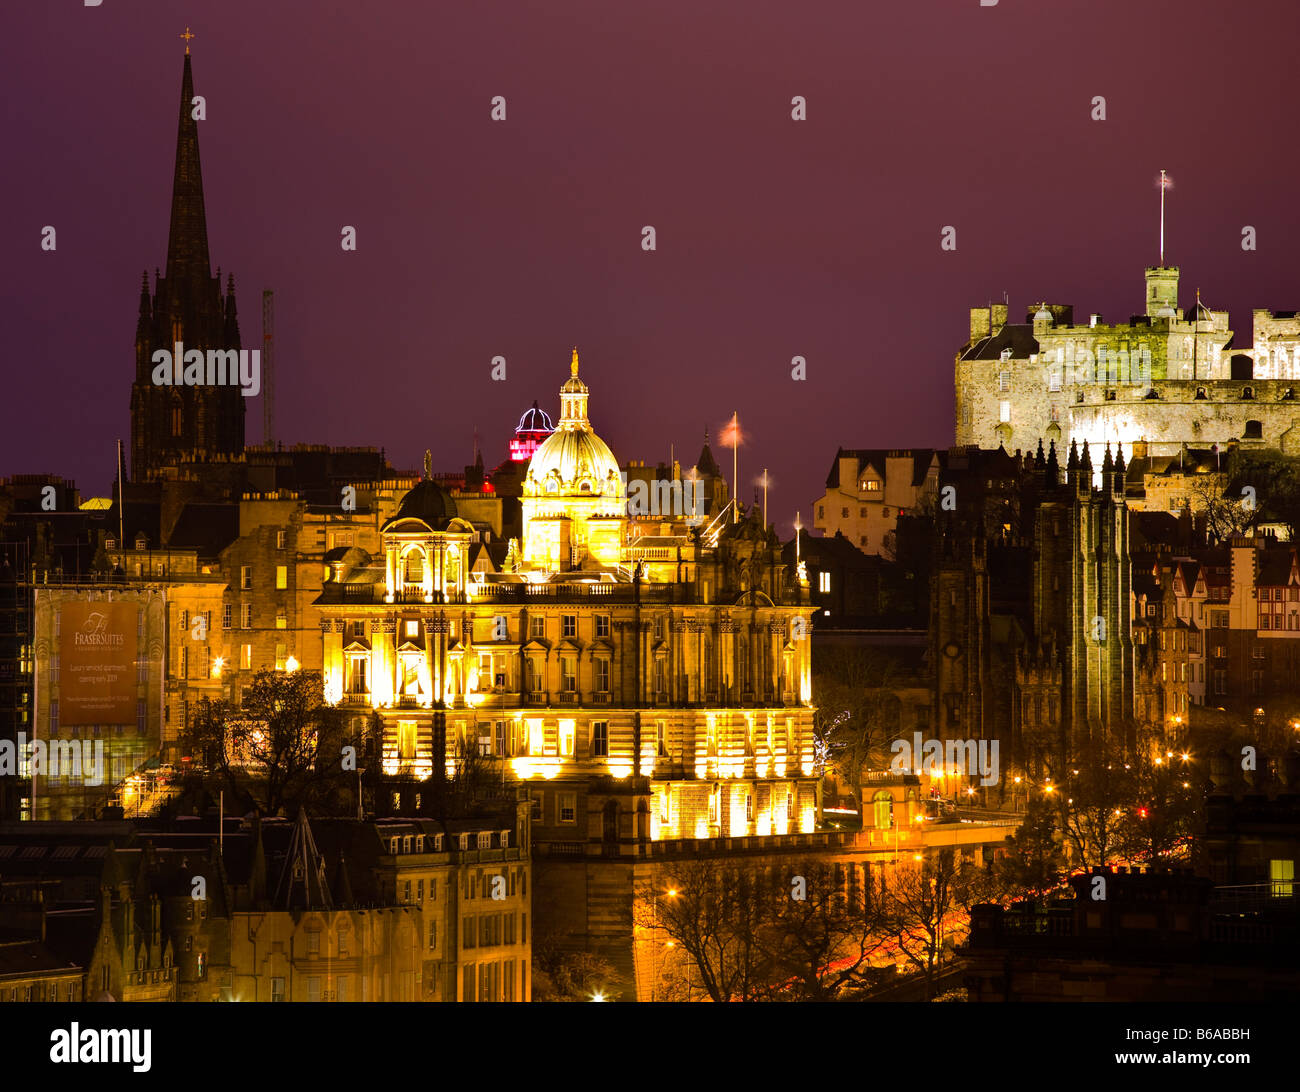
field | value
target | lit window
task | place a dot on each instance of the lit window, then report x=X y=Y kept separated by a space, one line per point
x=1004 y=411
x=568 y=807
x=566 y=737
x=282 y=576
x=823 y=582
x=600 y=738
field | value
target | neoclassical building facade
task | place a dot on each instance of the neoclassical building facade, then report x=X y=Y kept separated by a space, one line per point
x=649 y=680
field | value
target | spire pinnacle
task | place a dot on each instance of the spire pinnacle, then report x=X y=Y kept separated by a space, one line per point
x=187 y=239
x=187 y=36
x=573 y=364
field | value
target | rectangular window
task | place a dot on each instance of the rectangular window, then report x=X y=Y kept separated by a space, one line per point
x=246 y=657
x=433 y=935
x=468 y=981
x=602 y=625
x=470 y=933
x=281 y=619
x=281 y=657
x=537 y=626
x=246 y=616
x=227 y=609
x=280 y=537
x=501 y=734
x=1004 y=411
x=602 y=676
x=538 y=798
x=599 y=738
x=661 y=732
x=568 y=625
x=282 y=577
x=566 y=807
x=823 y=582
x=568 y=673
x=1004 y=381
x=1281 y=875
x=246 y=577
x=277 y=989
x=567 y=732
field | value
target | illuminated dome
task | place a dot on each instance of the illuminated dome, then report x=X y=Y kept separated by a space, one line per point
x=573 y=460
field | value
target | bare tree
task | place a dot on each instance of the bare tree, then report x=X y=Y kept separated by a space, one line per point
x=924 y=909
x=281 y=748
x=857 y=715
x=822 y=929
x=1168 y=791
x=712 y=912
x=1093 y=793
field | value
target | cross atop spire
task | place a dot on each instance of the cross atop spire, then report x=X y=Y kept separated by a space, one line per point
x=187 y=36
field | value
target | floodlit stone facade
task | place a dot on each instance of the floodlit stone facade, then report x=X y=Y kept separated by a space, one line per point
x=1168 y=377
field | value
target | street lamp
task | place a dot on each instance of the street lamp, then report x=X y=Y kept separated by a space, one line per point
x=654 y=941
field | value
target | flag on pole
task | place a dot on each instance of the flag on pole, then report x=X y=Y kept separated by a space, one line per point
x=729 y=434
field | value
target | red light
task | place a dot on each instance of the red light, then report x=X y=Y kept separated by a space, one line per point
x=1142 y=812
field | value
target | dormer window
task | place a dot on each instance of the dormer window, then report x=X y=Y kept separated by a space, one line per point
x=869 y=486
x=141 y=541
x=1005 y=355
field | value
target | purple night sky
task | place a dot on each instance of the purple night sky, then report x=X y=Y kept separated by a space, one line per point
x=479 y=238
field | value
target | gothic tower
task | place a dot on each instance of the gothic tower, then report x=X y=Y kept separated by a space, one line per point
x=187 y=307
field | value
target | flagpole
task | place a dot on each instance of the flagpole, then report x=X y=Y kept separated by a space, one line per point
x=1163 y=184
x=764 y=496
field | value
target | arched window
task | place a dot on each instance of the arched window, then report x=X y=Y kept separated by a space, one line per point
x=415 y=567
x=882 y=810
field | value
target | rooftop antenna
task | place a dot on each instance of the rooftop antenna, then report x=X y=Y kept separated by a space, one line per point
x=268 y=369
x=121 y=505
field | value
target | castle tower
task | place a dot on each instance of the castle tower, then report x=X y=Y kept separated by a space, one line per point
x=187 y=307
x=1162 y=291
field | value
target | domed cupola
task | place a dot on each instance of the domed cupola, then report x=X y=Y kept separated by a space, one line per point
x=427 y=502
x=573 y=461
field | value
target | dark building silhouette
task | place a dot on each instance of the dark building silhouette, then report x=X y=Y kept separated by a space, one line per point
x=187 y=307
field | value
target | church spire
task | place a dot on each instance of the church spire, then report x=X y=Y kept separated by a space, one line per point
x=187 y=240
